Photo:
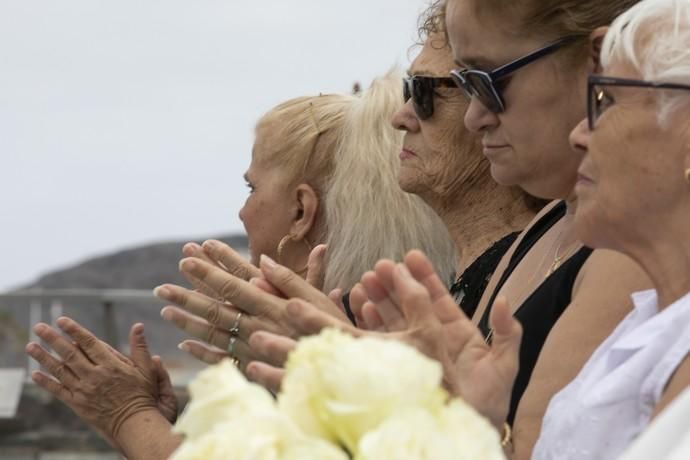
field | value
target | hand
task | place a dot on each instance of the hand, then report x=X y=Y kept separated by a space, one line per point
x=246 y=306
x=100 y=387
x=222 y=256
x=482 y=374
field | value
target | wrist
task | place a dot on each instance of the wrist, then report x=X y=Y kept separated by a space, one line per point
x=131 y=427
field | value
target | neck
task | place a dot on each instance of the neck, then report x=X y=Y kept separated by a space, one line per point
x=480 y=216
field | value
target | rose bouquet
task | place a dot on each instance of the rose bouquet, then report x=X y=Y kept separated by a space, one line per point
x=341 y=398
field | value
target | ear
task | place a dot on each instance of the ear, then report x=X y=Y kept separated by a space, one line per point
x=596 y=39
x=307 y=206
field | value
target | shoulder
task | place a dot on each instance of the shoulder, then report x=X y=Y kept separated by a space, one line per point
x=611 y=273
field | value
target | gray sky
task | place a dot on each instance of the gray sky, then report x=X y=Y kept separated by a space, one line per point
x=124 y=122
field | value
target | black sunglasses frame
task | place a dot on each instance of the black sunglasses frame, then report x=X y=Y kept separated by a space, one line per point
x=493 y=99
x=421 y=89
x=601 y=80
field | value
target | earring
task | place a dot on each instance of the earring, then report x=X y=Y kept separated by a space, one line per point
x=281 y=248
x=687 y=175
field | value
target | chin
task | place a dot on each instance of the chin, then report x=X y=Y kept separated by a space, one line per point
x=505 y=175
x=589 y=226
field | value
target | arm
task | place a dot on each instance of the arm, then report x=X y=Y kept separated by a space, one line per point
x=601 y=299
x=147 y=435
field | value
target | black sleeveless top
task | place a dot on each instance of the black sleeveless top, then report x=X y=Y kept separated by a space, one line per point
x=470 y=286
x=540 y=311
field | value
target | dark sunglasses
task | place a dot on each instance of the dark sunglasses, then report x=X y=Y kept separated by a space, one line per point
x=483 y=85
x=422 y=91
x=598 y=99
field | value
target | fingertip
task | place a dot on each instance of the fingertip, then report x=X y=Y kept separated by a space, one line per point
x=138 y=329
x=190 y=249
x=183 y=346
x=63 y=322
x=166 y=313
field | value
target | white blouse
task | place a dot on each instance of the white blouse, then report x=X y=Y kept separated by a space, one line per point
x=668 y=436
x=610 y=402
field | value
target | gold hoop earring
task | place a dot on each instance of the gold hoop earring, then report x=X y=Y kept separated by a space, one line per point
x=281 y=248
x=687 y=175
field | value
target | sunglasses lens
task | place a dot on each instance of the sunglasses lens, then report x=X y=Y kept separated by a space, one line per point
x=423 y=97
x=482 y=88
x=406 y=90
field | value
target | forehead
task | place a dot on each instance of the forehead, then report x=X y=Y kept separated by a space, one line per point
x=480 y=37
x=435 y=59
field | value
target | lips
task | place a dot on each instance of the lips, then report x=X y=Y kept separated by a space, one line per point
x=406 y=154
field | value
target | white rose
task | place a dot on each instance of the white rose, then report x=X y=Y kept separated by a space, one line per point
x=220 y=393
x=456 y=433
x=338 y=387
x=267 y=436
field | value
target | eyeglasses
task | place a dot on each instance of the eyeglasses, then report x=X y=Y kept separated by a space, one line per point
x=598 y=99
x=422 y=91
x=483 y=85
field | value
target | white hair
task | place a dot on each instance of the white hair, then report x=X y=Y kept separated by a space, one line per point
x=654 y=38
x=368 y=216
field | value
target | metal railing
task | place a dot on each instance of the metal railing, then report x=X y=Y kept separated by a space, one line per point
x=55 y=299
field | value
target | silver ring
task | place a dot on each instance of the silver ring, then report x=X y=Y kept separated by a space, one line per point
x=235 y=329
x=231 y=347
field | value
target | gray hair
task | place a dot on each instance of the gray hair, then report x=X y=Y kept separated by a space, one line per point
x=368 y=216
x=654 y=38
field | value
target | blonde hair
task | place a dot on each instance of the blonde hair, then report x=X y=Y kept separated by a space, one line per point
x=345 y=147
x=369 y=217
x=653 y=38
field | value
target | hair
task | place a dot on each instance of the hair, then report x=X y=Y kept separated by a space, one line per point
x=653 y=38
x=432 y=23
x=551 y=19
x=345 y=147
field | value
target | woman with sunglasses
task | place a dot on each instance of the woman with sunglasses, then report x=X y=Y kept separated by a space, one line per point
x=523 y=67
x=442 y=163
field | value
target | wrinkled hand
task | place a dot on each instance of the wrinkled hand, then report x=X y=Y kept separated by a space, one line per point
x=100 y=387
x=258 y=305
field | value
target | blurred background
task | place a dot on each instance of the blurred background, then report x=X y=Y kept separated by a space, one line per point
x=125 y=128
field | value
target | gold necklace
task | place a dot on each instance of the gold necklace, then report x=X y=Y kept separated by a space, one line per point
x=558 y=260
x=555 y=265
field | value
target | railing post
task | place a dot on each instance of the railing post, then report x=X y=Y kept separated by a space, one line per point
x=55 y=312
x=35 y=317
x=110 y=324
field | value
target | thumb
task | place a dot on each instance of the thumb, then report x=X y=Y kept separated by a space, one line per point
x=316 y=267
x=139 y=350
x=507 y=333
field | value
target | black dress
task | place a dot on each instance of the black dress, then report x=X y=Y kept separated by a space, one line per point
x=470 y=286
x=540 y=311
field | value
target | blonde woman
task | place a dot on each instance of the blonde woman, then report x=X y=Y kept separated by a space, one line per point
x=324 y=170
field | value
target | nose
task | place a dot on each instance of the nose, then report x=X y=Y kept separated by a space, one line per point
x=241 y=214
x=579 y=137
x=405 y=119
x=478 y=118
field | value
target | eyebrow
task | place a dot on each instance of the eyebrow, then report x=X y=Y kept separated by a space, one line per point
x=423 y=72
x=477 y=62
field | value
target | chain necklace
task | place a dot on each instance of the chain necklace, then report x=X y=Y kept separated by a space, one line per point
x=555 y=265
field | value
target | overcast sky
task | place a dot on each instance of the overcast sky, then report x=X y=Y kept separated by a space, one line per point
x=124 y=122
